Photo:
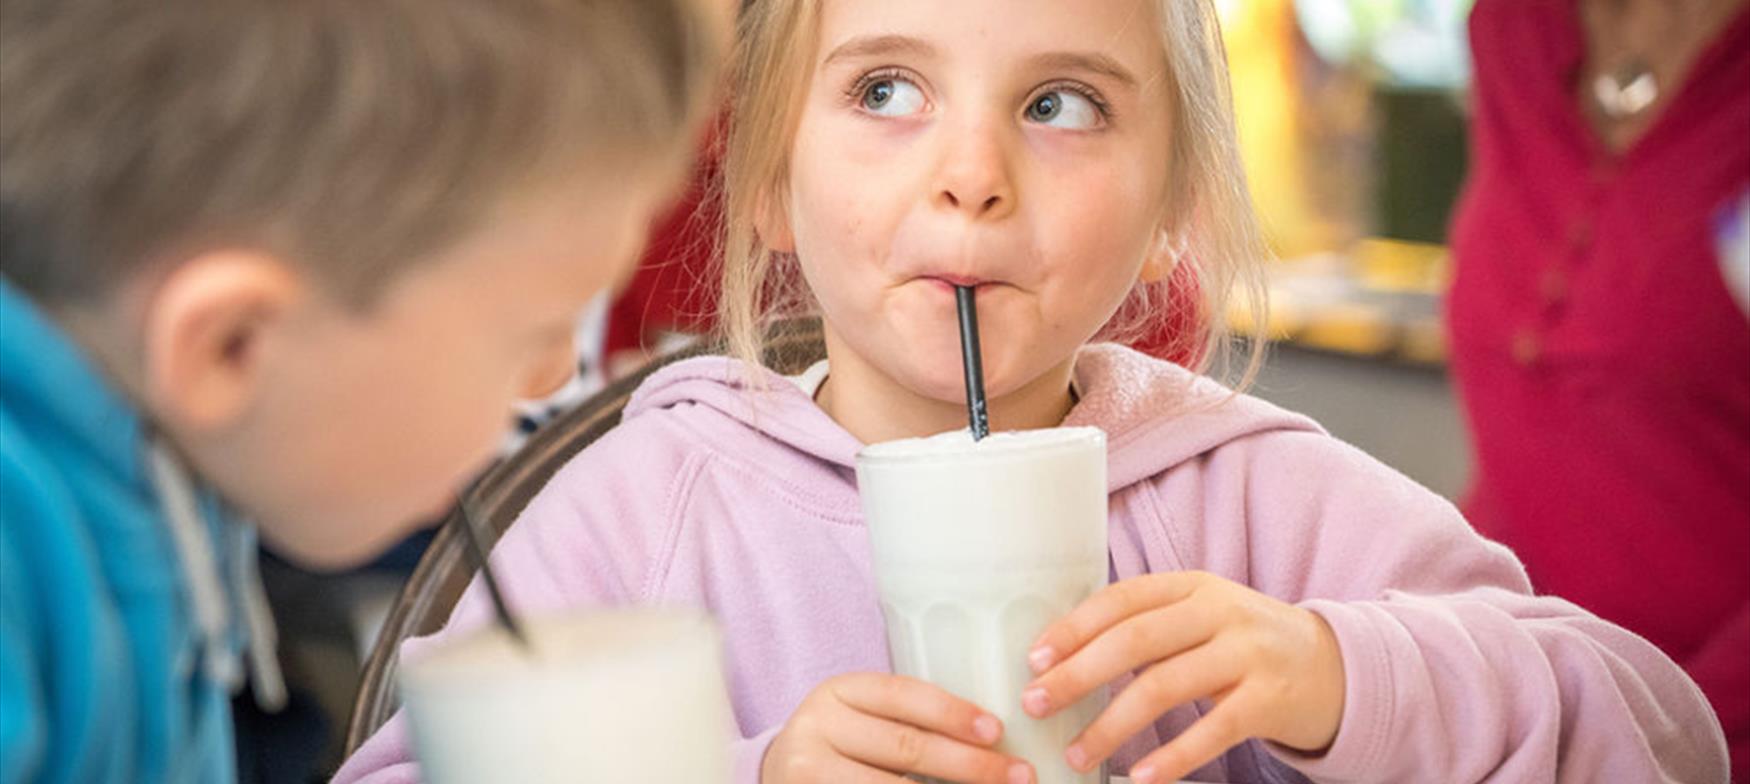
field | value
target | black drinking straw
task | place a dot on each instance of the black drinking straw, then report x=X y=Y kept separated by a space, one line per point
x=477 y=553
x=974 y=364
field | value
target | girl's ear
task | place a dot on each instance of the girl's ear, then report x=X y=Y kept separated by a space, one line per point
x=1163 y=256
x=772 y=221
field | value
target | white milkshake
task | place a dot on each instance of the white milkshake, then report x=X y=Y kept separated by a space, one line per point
x=629 y=695
x=977 y=547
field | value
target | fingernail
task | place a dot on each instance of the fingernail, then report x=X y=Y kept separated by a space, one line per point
x=1076 y=757
x=987 y=728
x=1143 y=774
x=1040 y=658
x=1035 y=702
x=1020 y=773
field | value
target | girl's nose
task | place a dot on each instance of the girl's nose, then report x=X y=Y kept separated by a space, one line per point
x=974 y=175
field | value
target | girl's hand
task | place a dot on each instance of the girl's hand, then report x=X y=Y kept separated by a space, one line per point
x=871 y=727
x=1273 y=670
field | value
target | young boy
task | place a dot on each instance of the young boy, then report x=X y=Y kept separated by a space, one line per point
x=289 y=264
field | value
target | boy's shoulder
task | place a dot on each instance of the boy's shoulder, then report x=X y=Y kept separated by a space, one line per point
x=52 y=599
x=39 y=513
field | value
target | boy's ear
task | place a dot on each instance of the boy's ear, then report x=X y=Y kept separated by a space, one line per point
x=772 y=221
x=206 y=330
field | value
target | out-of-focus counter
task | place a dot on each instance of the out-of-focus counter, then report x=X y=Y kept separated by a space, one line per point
x=1359 y=347
x=1380 y=300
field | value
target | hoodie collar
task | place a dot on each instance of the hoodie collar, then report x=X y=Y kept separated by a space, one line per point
x=754 y=396
x=1155 y=414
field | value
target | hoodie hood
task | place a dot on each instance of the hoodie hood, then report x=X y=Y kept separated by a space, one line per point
x=1155 y=414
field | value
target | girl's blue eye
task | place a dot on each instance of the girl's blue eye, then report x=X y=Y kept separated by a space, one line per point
x=1063 y=109
x=892 y=98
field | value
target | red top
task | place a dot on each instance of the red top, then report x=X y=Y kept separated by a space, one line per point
x=1601 y=359
x=675 y=286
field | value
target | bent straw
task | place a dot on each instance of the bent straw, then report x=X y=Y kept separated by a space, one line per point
x=477 y=552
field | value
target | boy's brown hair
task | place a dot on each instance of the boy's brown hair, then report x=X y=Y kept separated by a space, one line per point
x=349 y=137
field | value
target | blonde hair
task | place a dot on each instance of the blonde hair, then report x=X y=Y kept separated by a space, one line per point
x=354 y=139
x=1209 y=207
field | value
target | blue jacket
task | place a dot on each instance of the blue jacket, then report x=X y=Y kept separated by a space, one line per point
x=110 y=670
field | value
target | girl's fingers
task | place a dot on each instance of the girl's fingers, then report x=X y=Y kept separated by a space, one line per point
x=1106 y=608
x=1134 y=642
x=1197 y=673
x=903 y=748
x=919 y=704
x=1207 y=738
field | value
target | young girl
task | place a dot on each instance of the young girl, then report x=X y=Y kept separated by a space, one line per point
x=1282 y=606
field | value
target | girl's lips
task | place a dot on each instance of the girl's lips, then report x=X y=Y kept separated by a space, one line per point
x=951 y=281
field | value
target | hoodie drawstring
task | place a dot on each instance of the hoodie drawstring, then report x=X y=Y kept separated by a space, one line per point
x=207 y=585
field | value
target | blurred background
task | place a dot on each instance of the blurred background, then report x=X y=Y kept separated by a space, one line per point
x=1352 y=122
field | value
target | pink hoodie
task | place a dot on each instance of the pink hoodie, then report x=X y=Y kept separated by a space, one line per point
x=745 y=503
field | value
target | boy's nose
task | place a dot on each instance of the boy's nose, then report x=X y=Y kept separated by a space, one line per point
x=974 y=177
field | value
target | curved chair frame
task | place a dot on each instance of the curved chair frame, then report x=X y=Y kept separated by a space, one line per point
x=498 y=498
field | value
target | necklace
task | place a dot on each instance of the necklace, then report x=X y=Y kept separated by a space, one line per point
x=1627 y=90
x=1640 y=45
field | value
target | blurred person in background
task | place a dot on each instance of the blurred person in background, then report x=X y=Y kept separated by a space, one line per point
x=1602 y=361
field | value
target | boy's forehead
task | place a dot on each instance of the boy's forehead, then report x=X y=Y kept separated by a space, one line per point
x=548 y=251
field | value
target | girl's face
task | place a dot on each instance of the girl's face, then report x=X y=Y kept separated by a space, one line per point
x=1019 y=145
